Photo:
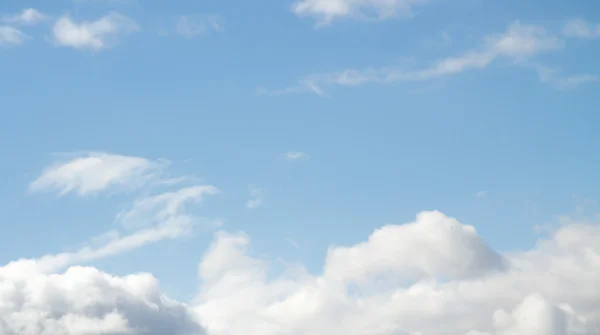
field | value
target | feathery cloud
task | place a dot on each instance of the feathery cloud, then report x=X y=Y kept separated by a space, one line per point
x=93 y=172
x=519 y=44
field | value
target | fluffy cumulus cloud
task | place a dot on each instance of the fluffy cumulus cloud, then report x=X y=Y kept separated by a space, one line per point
x=428 y=277
x=85 y=301
x=328 y=10
x=93 y=172
x=92 y=35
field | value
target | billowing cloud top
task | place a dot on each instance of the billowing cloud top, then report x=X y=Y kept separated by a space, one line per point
x=432 y=276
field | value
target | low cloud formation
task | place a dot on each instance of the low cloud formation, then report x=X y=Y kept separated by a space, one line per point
x=92 y=35
x=85 y=301
x=432 y=276
x=29 y=16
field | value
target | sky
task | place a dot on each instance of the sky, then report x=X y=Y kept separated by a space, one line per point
x=359 y=167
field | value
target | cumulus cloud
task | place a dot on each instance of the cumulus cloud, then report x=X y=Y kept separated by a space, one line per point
x=93 y=35
x=28 y=16
x=325 y=11
x=85 y=301
x=431 y=276
x=519 y=44
x=581 y=29
x=455 y=285
x=10 y=36
x=94 y=172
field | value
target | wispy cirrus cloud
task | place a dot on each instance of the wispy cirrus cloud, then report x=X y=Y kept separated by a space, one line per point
x=256 y=198
x=92 y=35
x=198 y=25
x=296 y=155
x=579 y=28
x=93 y=172
x=519 y=44
x=149 y=218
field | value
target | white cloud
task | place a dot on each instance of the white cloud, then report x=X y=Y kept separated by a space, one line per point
x=256 y=198
x=152 y=219
x=556 y=78
x=165 y=207
x=433 y=276
x=429 y=277
x=10 y=36
x=325 y=11
x=581 y=29
x=28 y=16
x=85 y=301
x=296 y=155
x=94 y=172
x=196 y=25
x=519 y=44
x=94 y=35
x=481 y=194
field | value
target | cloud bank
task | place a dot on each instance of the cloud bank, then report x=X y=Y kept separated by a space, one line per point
x=428 y=277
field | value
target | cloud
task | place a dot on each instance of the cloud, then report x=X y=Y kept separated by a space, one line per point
x=95 y=35
x=432 y=276
x=481 y=194
x=325 y=11
x=427 y=277
x=152 y=219
x=557 y=79
x=10 y=36
x=197 y=25
x=85 y=301
x=29 y=16
x=454 y=251
x=165 y=207
x=296 y=155
x=581 y=29
x=257 y=198
x=518 y=44
x=93 y=172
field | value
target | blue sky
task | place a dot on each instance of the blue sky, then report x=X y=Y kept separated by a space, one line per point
x=315 y=122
